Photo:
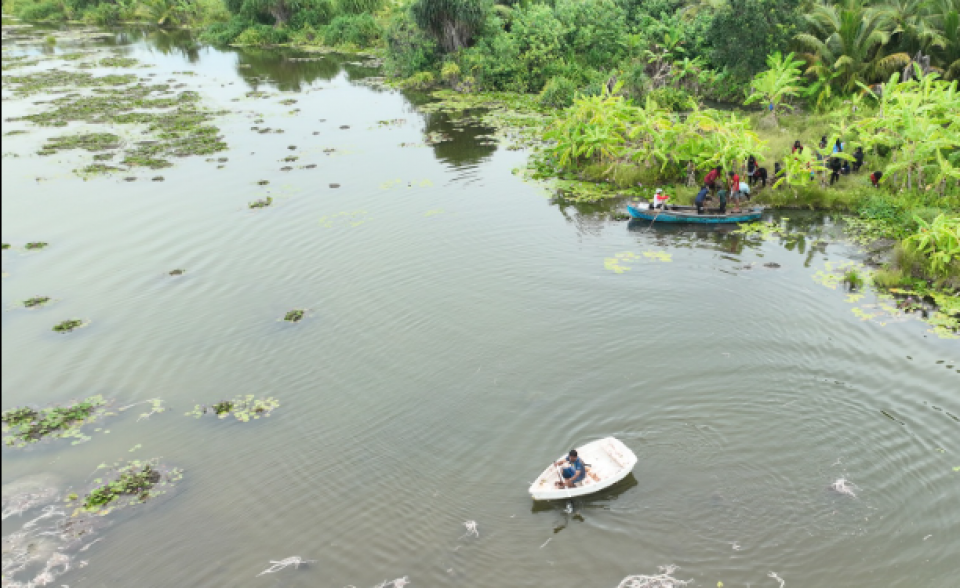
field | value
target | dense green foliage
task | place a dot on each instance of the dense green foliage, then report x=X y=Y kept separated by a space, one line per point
x=163 y=13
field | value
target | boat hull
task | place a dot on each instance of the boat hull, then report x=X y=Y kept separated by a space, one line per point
x=608 y=458
x=689 y=215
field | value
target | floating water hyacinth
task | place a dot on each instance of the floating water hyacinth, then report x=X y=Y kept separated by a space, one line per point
x=243 y=408
x=127 y=484
x=24 y=425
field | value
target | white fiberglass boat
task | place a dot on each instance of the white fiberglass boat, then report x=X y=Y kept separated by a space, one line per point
x=609 y=460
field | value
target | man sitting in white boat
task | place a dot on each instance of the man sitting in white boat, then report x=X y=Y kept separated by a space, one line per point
x=575 y=471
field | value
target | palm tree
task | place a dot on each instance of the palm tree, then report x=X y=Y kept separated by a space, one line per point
x=848 y=38
x=912 y=27
x=945 y=16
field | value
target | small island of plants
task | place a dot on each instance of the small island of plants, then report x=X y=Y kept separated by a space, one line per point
x=24 y=425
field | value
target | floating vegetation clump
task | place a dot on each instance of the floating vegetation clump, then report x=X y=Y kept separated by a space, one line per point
x=177 y=272
x=288 y=102
x=243 y=408
x=118 y=62
x=36 y=301
x=174 y=123
x=264 y=203
x=23 y=426
x=50 y=80
x=5 y=246
x=36 y=245
x=294 y=316
x=618 y=264
x=128 y=484
x=87 y=142
x=68 y=326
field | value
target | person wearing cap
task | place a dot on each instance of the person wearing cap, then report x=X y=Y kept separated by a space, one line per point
x=659 y=199
x=574 y=471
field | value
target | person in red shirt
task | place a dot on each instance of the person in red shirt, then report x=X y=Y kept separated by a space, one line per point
x=875 y=178
x=710 y=181
x=734 y=188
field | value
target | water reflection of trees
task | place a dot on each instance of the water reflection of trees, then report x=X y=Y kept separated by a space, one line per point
x=275 y=67
x=467 y=144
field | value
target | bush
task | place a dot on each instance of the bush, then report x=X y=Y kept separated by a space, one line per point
x=42 y=10
x=260 y=35
x=409 y=49
x=596 y=31
x=418 y=81
x=359 y=6
x=450 y=73
x=558 y=93
x=315 y=13
x=224 y=33
x=672 y=99
x=104 y=15
x=360 y=30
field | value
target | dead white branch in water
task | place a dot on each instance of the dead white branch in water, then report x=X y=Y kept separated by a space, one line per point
x=471 y=529
x=662 y=580
x=398 y=583
x=296 y=562
x=777 y=578
x=844 y=486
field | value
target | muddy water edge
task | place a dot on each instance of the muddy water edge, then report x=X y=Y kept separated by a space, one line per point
x=294 y=313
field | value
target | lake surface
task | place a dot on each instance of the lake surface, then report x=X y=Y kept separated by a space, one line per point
x=463 y=330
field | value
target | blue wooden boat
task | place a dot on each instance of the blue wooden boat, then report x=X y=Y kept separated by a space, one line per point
x=688 y=214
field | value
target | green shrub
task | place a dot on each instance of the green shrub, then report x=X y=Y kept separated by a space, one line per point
x=359 y=6
x=672 y=99
x=450 y=73
x=41 y=10
x=558 y=93
x=224 y=33
x=104 y=15
x=596 y=31
x=409 y=49
x=360 y=30
x=261 y=36
x=315 y=13
x=419 y=81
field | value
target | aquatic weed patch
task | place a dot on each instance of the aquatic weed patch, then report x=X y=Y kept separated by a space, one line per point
x=23 y=425
x=68 y=326
x=127 y=484
x=175 y=124
x=36 y=246
x=53 y=80
x=242 y=408
x=86 y=141
x=36 y=301
x=622 y=262
x=119 y=62
x=295 y=316
x=259 y=204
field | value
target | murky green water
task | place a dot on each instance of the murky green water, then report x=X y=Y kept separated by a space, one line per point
x=462 y=330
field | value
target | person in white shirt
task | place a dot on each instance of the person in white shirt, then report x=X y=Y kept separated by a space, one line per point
x=659 y=198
